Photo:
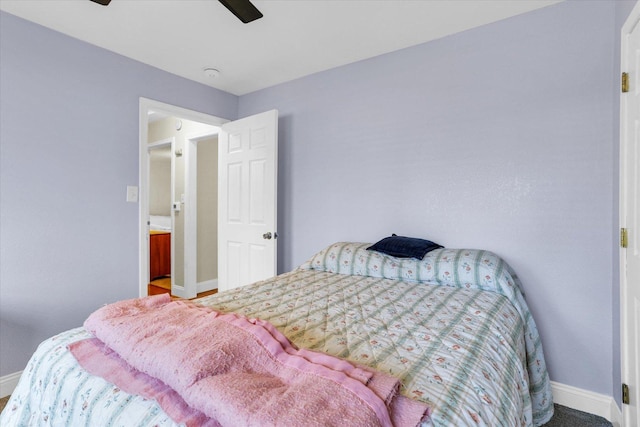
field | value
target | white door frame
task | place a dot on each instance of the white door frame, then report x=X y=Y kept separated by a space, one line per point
x=147 y=105
x=626 y=352
x=191 y=286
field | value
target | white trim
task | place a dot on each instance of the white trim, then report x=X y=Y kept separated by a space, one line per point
x=191 y=287
x=8 y=383
x=627 y=353
x=207 y=285
x=190 y=213
x=161 y=143
x=616 y=414
x=587 y=401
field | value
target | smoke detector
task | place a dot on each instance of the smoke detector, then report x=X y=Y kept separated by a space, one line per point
x=211 y=73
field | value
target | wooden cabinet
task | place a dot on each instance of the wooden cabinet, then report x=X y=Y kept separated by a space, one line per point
x=159 y=254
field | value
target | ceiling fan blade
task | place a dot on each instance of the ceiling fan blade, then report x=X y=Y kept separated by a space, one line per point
x=102 y=2
x=243 y=9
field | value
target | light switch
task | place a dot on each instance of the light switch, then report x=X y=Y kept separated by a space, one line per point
x=132 y=193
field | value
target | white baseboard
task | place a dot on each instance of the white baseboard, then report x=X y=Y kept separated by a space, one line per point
x=207 y=285
x=616 y=414
x=587 y=401
x=8 y=383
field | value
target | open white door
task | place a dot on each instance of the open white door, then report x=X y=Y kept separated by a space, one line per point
x=247 y=194
x=630 y=218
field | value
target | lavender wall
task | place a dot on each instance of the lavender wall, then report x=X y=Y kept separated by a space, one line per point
x=500 y=138
x=69 y=148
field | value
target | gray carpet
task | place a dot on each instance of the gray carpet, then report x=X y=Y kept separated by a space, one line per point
x=567 y=417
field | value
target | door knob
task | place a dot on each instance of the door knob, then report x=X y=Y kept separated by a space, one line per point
x=267 y=235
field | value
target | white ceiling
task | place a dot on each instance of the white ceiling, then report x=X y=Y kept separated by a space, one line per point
x=294 y=38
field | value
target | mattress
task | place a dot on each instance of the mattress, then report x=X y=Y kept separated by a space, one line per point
x=453 y=327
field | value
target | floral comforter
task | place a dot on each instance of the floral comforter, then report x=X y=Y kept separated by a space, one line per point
x=454 y=327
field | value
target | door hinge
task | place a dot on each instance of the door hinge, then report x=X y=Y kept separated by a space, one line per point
x=624 y=240
x=625 y=82
x=625 y=394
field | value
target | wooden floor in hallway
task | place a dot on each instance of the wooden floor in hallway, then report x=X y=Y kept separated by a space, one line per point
x=162 y=285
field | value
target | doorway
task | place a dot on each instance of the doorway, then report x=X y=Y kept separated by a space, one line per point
x=246 y=199
x=183 y=185
x=168 y=218
x=161 y=173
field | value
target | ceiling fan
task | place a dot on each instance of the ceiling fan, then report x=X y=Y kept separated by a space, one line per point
x=244 y=10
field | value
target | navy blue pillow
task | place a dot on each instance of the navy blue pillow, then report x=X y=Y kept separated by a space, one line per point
x=404 y=247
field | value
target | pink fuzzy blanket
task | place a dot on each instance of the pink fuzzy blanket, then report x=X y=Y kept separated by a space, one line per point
x=207 y=369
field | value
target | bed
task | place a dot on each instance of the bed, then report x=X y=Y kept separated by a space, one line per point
x=454 y=327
